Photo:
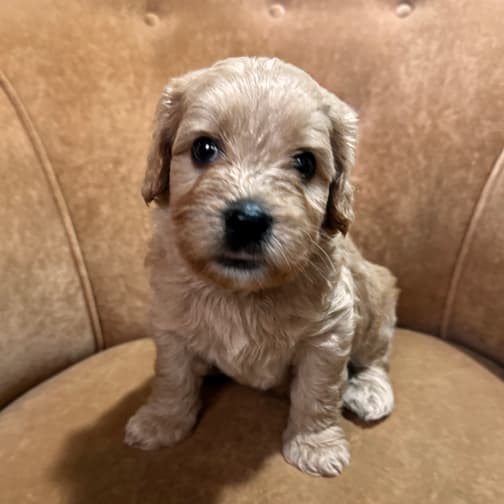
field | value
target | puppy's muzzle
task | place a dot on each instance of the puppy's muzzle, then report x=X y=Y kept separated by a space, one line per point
x=247 y=226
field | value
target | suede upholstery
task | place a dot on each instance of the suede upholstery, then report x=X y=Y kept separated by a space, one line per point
x=78 y=85
x=428 y=87
x=440 y=445
x=42 y=306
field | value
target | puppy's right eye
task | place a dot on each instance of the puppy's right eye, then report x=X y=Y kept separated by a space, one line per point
x=205 y=150
x=305 y=164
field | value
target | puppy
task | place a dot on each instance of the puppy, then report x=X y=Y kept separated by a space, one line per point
x=251 y=268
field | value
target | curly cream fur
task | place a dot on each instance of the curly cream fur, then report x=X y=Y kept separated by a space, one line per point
x=312 y=307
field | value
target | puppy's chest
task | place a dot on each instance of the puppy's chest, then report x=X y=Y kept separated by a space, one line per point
x=252 y=343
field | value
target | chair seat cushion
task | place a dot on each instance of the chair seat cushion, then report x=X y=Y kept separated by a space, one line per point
x=63 y=441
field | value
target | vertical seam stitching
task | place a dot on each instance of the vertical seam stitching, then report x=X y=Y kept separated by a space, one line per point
x=62 y=207
x=467 y=241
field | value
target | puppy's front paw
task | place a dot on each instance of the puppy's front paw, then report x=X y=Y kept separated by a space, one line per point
x=323 y=453
x=148 y=430
x=369 y=395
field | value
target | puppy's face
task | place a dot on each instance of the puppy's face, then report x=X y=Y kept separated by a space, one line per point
x=251 y=158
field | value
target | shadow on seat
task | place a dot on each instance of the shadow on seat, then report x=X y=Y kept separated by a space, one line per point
x=227 y=447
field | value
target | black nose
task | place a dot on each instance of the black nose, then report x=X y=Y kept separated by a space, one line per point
x=247 y=225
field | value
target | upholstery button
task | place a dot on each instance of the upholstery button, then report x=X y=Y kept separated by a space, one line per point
x=404 y=9
x=151 y=19
x=277 y=10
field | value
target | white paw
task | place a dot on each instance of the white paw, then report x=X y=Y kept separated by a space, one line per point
x=323 y=453
x=148 y=430
x=369 y=395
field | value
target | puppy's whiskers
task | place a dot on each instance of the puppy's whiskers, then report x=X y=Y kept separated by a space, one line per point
x=324 y=255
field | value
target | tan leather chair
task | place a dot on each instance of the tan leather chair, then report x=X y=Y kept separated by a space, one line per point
x=79 y=84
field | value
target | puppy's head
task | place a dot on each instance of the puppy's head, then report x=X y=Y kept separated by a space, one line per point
x=251 y=157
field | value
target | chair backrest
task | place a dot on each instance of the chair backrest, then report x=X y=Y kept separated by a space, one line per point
x=79 y=87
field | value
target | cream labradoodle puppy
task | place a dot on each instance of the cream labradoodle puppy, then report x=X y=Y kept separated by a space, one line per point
x=251 y=268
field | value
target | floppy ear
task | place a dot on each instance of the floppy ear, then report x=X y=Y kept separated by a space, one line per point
x=166 y=121
x=344 y=121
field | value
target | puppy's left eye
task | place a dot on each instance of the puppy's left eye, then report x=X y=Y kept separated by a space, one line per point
x=305 y=164
x=205 y=150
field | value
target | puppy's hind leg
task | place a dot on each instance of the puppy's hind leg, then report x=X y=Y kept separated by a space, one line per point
x=368 y=392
